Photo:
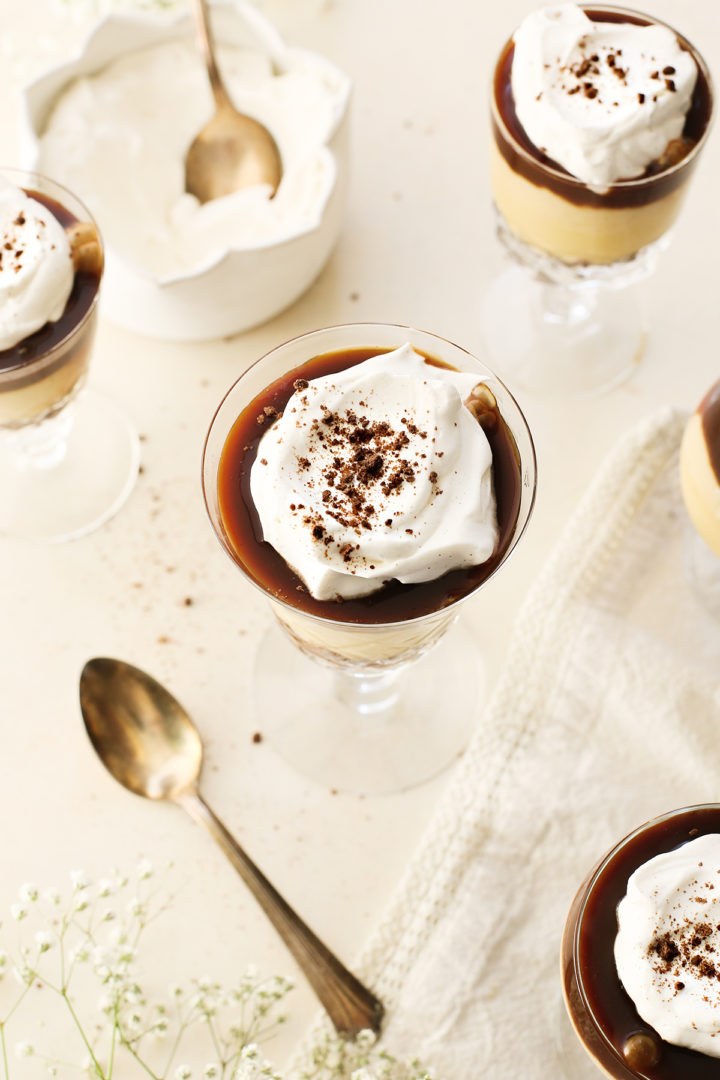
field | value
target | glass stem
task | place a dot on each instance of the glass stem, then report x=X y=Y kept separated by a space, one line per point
x=368 y=694
x=563 y=305
x=43 y=445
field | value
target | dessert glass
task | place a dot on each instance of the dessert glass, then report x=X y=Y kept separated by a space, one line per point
x=569 y=315
x=68 y=457
x=618 y=1041
x=700 y=486
x=360 y=706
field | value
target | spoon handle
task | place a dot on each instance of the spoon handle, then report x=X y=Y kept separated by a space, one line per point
x=350 y=1005
x=204 y=33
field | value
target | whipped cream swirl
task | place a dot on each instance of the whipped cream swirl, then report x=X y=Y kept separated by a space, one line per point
x=375 y=473
x=36 y=267
x=667 y=950
x=602 y=99
x=119 y=137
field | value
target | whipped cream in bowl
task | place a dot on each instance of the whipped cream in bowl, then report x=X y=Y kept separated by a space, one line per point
x=116 y=123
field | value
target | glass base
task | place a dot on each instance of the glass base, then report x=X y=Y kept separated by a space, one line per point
x=549 y=338
x=369 y=735
x=68 y=475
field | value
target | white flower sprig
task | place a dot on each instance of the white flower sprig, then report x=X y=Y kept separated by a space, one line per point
x=92 y=937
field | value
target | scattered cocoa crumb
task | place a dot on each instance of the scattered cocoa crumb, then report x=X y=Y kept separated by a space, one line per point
x=257 y=737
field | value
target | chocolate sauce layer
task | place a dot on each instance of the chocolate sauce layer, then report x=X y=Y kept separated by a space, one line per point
x=79 y=302
x=709 y=409
x=394 y=602
x=613 y=1009
x=525 y=158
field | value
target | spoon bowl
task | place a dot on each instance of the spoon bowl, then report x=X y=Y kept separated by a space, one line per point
x=142 y=735
x=232 y=151
x=147 y=741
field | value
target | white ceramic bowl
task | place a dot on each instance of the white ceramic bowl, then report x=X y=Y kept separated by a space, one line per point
x=241 y=288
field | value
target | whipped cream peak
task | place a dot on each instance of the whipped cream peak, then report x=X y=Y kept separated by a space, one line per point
x=36 y=266
x=603 y=99
x=374 y=473
x=667 y=950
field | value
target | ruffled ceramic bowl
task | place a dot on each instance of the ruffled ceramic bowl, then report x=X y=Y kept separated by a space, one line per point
x=241 y=286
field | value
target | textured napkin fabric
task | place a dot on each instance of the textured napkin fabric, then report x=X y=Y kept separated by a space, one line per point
x=607 y=713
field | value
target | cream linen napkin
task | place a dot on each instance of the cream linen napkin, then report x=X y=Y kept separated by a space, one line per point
x=606 y=714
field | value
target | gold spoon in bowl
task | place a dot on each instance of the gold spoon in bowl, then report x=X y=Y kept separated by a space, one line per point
x=150 y=745
x=232 y=151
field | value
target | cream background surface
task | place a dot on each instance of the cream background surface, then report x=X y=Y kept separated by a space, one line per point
x=418 y=248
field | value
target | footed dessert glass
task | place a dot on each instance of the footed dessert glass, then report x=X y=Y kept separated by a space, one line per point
x=368 y=706
x=569 y=315
x=700 y=487
x=68 y=457
x=609 y=1029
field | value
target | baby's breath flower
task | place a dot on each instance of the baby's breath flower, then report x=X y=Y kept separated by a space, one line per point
x=135 y=907
x=52 y=896
x=3 y=958
x=24 y=1049
x=81 y=904
x=18 y=912
x=44 y=941
x=105 y=888
x=211 y=1071
x=28 y=893
x=183 y=1072
x=79 y=880
x=106 y=1003
x=145 y=869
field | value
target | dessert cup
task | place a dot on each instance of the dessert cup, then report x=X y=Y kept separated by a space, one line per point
x=569 y=315
x=68 y=457
x=700 y=486
x=363 y=705
x=602 y=1014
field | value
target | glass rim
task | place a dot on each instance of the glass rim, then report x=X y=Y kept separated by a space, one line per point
x=14 y=174
x=633 y=182
x=588 y=890
x=352 y=626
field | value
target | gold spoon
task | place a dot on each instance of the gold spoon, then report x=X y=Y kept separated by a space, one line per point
x=148 y=742
x=232 y=151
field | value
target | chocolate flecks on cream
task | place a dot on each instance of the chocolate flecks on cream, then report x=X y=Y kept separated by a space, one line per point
x=534 y=161
x=370 y=456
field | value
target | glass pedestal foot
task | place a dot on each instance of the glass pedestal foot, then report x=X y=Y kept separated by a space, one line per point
x=66 y=476
x=552 y=339
x=365 y=733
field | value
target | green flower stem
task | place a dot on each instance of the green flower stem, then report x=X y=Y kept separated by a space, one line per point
x=83 y=1036
x=3 y=1049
